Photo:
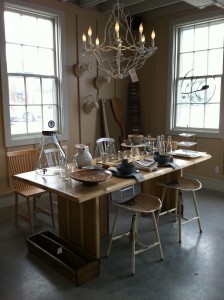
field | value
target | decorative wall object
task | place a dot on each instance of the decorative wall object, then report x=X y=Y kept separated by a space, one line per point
x=90 y=104
x=101 y=80
x=81 y=68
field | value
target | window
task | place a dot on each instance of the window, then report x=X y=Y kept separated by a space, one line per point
x=197 y=72
x=33 y=81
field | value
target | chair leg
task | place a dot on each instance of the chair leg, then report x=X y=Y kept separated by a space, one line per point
x=16 y=208
x=157 y=234
x=197 y=211
x=112 y=231
x=179 y=216
x=162 y=200
x=34 y=206
x=133 y=243
x=52 y=209
x=30 y=221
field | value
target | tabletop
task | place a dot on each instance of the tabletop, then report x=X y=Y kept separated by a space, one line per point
x=78 y=192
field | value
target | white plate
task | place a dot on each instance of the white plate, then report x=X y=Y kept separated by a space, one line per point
x=186 y=144
x=188 y=153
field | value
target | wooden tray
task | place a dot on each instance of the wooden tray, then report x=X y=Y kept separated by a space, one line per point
x=66 y=258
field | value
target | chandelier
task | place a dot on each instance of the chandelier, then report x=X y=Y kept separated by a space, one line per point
x=119 y=54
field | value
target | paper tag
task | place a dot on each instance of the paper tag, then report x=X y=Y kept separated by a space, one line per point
x=133 y=74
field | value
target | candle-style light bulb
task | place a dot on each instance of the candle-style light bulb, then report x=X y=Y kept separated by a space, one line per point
x=153 y=35
x=117 y=30
x=90 y=31
x=84 y=40
x=84 y=37
x=90 y=35
x=97 y=41
x=143 y=38
x=140 y=32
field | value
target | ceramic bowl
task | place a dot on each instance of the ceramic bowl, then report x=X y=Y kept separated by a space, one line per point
x=162 y=159
x=127 y=142
x=125 y=168
x=136 y=139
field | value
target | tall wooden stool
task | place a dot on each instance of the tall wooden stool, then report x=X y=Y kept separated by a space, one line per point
x=181 y=185
x=140 y=203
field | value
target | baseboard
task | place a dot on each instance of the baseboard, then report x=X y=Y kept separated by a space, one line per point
x=208 y=183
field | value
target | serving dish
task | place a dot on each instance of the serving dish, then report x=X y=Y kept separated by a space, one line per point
x=91 y=176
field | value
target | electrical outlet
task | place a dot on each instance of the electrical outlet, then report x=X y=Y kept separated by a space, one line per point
x=217 y=169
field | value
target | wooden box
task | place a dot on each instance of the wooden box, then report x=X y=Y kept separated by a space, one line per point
x=68 y=259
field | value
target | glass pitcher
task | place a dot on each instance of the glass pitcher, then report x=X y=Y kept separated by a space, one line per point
x=49 y=155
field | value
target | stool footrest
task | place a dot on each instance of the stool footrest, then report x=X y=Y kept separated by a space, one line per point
x=170 y=211
x=145 y=247
x=126 y=234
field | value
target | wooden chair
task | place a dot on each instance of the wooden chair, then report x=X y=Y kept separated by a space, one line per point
x=181 y=185
x=141 y=203
x=53 y=156
x=20 y=162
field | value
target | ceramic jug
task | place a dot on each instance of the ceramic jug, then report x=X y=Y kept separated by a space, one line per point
x=83 y=156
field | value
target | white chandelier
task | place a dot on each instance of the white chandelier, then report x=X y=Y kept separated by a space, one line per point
x=119 y=54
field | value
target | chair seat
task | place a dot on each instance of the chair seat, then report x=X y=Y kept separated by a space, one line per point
x=141 y=203
x=184 y=184
x=30 y=192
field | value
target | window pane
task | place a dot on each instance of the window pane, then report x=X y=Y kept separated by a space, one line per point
x=215 y=62
x=183 y=113
x=30 y=60
x=14 y=58
x=12 y=27
x=216 y=35
x=45 y=33
x=16 y=90
x=46 y=62
x=201 y=37
x=33 y=90
x=50 y=113
x=49 y=91
x=217 y=88
x=187 y=40
x=29 y=30
x=186 y=63
x=197 y=116
x=200 y=63
x=212 y=116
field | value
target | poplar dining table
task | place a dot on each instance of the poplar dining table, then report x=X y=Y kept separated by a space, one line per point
x=83 y=210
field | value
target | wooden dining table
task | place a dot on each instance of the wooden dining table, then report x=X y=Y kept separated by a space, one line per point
x=83 y=212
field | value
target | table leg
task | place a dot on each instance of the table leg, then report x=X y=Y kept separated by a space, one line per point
x=80 y=223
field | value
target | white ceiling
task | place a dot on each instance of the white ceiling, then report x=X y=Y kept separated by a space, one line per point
x=153 y=7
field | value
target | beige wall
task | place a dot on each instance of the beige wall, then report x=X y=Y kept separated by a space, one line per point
x=153 y=90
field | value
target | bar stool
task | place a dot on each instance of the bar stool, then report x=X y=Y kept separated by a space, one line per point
x=140 y=203
x=181 y=185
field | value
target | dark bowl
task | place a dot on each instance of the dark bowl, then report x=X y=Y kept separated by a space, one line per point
x=162 y=159
x=125 y=169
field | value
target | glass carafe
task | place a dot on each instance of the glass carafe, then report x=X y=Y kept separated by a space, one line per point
x=49 y=155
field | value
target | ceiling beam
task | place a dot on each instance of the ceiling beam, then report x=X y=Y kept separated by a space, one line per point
x=135 y=7
x=89 y=3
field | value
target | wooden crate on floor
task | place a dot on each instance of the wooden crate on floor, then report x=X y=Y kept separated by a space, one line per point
x=66 y=258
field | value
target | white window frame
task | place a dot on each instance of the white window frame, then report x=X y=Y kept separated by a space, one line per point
x=62 y=133
x=208 y=16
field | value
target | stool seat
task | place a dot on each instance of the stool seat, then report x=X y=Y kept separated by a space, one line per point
x=180 y=185
x=140 y=203
x=183 y=184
